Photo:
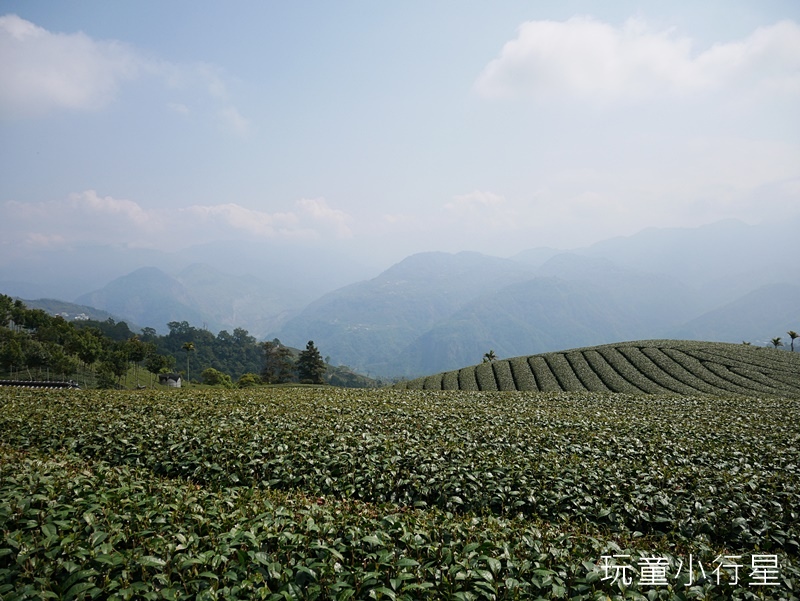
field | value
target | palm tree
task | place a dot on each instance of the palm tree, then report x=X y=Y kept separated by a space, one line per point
x=188 y=347
x=793 y=335
x=777 y=342
x=489 y=357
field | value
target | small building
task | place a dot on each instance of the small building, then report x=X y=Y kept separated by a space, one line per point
x=172 y=380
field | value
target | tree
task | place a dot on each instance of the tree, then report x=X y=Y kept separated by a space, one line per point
x=137 y=352
x=489 y=357
x=90 y=346
x=158 y=364
x=214 y=377
x=277 y=363
x=310 y=365
x=116 y=362
x=149 y=334
x=793 y=335
x=179 y=329
x=11 y=354
x=247 y=380
x=776 y=342
x=6 y=306
x=188 y=347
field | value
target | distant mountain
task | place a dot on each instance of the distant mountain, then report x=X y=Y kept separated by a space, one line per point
x=228 y=301
x=655 y=301
x=147 y=296
x=756 y=317
x=721 y=261
x=71 y=311
x=200 y=295
x=573 y=301
x=69 y=273
x=365 y=325
x=435 y=312
x=537 y=257
x=529 y=317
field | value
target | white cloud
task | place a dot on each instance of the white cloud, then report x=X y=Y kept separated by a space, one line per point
x=586 y=58
x=89 y=202
x=42 y=72
x=474 y=200
x=318 y=210
x=232 y=216
x=233 y=121
x=88 y=218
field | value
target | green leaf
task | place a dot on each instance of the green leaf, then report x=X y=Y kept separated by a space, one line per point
x=372 y=539
x=150 y=561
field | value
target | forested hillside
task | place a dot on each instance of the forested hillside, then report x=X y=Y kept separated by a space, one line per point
x=35 y=345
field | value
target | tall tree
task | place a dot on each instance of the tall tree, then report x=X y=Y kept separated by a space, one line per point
x=188 y=347
x=310 y=365
x=793 y=335
x=277 y=363
x=489 y=357
x=137 y=351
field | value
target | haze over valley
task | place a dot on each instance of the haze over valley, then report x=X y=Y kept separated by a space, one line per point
x=437 y=311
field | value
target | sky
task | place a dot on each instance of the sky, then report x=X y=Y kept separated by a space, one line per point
x=381 y=129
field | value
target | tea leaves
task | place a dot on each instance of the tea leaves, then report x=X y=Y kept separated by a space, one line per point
x=333 y=494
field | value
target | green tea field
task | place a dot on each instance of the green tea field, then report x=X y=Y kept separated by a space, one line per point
x=644 y=367
x=326 y=493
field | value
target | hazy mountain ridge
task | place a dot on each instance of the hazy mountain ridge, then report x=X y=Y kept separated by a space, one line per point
x=199 y=294
x=658 y=283
x=769 y=311
x=436 y=311
x=367 y=324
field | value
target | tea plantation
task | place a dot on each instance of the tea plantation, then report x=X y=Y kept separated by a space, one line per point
x=399 y=494
x=649 y=367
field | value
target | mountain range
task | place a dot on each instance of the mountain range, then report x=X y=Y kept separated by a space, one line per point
x=436 y=311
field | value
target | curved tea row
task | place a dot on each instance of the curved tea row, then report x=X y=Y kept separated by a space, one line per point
x=641 y=367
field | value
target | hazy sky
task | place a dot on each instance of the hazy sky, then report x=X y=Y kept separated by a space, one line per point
x=386 y=128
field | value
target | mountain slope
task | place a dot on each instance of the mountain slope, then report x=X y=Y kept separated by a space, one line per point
x=758 y=316
x=436 y=311
x=722 y=260
x=147 y=296
x=229 y=301
x=642 y=367
x=532 y=316
x=365 y=325
x=200 y=295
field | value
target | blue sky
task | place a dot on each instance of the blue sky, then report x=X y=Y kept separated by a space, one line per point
x=386 y=128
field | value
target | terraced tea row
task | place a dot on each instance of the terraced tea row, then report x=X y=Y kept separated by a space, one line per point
x=645 y=367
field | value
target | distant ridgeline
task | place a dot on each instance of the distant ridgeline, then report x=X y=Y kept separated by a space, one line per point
x=643 y=367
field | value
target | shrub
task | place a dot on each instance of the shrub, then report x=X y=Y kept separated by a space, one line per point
x=248 y=380
x=214 y=377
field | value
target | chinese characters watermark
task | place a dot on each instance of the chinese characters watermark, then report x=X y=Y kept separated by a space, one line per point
x=762 y=570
